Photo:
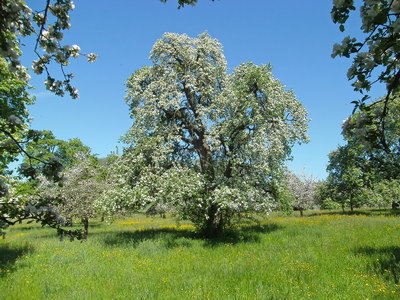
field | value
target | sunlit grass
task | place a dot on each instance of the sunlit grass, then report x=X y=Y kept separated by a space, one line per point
x=318 y=257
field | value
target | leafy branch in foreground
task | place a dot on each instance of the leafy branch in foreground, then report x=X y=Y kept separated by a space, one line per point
x=376 y=57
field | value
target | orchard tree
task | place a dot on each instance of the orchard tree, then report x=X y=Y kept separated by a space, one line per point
x=14 y=134
x=361 y=170
x=18 y=20
x=81 y=185
x=348 y=175
x=325 y=194
x=204 y=142
x=303 y=191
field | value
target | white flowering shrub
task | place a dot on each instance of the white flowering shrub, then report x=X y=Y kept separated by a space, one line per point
x=204 y=142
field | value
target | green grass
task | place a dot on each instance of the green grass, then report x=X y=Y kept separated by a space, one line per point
x=329 y=256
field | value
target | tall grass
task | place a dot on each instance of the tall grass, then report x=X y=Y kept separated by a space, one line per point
x=316 y=257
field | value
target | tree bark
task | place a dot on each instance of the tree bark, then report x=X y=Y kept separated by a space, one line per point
x=85 y=222
x=214 y=224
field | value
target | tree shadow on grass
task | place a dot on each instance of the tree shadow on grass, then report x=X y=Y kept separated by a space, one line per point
x=170 y=238
x=244 y=234
x=8 y=257
x=173 y=238
x=385 y=261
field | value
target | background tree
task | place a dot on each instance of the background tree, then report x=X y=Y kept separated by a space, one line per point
x=207 y=143
x=46 y=149
x=383 y=193
x=325 y=193
x=303 y=191
x=81 y=185
x=366 y=166
x=20 y=204
x=347 y=176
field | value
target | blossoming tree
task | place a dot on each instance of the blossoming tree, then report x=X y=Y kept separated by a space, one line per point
x=303 y=190
x=206 y=143
x=81 y=185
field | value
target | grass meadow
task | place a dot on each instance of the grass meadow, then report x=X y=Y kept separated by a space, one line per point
x=328 y=256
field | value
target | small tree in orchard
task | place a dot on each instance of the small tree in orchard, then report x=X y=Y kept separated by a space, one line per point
x=303 y=191
x=206 y=143
x=81 y=186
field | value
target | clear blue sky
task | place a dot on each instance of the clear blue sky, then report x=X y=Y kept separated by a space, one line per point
x=295 y=37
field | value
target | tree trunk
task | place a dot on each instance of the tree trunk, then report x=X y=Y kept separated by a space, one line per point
x=69 y=222
x=214 y=224
x=85 y=222
x=395 y=205
x=301 y=212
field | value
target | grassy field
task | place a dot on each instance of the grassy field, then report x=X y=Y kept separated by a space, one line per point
x=330 y=256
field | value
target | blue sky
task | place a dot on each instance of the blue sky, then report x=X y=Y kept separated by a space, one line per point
x=295 y=37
